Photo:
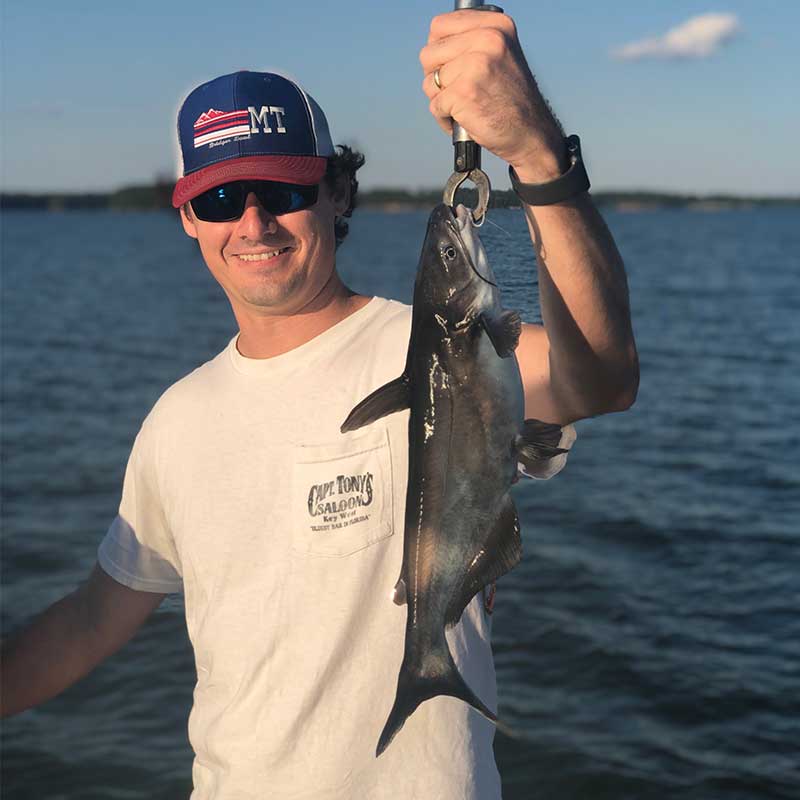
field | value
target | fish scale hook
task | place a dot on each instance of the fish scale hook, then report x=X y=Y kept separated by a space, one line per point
x=466 y=152
x=481 y=181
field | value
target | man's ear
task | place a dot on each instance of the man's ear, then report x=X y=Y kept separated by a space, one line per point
x=188 y=221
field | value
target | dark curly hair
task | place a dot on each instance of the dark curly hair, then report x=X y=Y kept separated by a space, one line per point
x=342 y=166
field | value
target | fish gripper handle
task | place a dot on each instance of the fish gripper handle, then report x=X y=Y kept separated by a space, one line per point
x=466 y=153
x=466 y=156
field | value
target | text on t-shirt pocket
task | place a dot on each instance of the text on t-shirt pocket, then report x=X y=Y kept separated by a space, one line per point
x=342 y=494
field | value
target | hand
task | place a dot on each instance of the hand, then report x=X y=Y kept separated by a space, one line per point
x=488 y=88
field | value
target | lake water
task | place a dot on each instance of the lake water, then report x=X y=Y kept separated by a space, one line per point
x=648 y=646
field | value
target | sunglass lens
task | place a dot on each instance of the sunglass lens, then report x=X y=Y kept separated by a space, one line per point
x=226 y=202
x=220 y=204
x=285 y=198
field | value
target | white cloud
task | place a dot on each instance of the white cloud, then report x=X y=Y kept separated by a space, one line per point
x=698 y=37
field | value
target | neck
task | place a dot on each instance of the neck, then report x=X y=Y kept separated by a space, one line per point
x=265 y=336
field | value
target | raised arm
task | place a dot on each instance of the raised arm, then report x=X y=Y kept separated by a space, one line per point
x=69 y=639
x=583 y=362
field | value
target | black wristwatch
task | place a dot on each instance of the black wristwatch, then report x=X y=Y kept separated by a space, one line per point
x=572 y=182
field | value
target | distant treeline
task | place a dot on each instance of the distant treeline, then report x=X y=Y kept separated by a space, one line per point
x=157 y=196
x=141 y=198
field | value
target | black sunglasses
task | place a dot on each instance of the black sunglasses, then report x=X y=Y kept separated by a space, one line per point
x=226 y=202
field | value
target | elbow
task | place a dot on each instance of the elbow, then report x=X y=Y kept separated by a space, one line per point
x=605 y=396
x=615 y=391
x=624 y=387
x=626 y=398
x=605 y=389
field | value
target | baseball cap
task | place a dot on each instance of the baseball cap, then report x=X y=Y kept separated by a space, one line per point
x=250 y=126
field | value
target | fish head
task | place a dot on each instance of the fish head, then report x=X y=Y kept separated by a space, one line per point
x=454 y=271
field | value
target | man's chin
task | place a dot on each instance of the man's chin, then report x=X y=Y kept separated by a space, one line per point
x=272 y=296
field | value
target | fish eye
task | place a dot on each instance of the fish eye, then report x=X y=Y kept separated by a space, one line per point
x=449 y=252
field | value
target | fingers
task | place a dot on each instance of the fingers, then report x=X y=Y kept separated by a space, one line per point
x=475 y=65
x=444 y=106
x=429 y=84
x=445 y=123
x=484 y=82
x=455 y=22
x=465 y=40
x=460 y=81
x=439 y=104
x=485 y=39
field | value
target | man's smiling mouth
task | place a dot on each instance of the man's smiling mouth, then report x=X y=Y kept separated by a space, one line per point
x=263 y=256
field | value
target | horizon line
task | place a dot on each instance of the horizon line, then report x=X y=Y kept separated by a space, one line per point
x=399 y=189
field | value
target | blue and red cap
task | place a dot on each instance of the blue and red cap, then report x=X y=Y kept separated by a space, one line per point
x=250 y=126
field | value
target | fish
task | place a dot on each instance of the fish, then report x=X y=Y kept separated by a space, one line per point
x=467 y=440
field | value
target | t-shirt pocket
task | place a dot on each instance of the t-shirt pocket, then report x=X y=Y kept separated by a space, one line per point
x=342 y=494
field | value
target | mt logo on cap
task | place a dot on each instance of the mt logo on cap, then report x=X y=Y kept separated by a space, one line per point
x=213 y=126
x=250 y=126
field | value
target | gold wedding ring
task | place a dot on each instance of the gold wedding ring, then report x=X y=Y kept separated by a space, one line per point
x=436 y=78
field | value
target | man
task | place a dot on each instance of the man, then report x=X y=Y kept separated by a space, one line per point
x=239 y=489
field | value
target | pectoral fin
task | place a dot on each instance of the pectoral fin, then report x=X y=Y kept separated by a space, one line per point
x=501 y=552
x=539 y=447
x=503 y=331
x=391 y=397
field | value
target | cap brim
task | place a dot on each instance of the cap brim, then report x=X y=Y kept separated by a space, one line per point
x=305 y=170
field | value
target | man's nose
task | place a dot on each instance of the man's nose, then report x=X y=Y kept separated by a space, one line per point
x=255 y=220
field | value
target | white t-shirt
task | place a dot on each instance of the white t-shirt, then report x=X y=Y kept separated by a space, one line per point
x=286 y=538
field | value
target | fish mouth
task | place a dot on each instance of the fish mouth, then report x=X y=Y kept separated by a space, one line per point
x=463 y=225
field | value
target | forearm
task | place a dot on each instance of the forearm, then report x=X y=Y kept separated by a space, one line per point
x=50 y=654
x=476 y=73
x=583 y=294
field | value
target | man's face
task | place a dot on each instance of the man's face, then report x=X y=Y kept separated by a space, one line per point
x=271 y=265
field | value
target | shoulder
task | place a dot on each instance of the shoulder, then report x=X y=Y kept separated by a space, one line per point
x=392 y=317
x=374 y=349
x=387 y=328
x=190 y=397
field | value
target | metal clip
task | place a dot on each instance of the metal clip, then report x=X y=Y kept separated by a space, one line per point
x=481 y=181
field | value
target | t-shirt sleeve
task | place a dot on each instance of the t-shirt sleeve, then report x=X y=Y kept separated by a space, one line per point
x=139 y=550
x=546 y=469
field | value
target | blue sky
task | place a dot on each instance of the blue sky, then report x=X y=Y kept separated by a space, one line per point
x=90 y=89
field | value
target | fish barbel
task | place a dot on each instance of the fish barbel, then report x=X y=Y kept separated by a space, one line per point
x=467 y=437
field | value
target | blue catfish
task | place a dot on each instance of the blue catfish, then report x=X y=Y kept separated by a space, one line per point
x=467 y=439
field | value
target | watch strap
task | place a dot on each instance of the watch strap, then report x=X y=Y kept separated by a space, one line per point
x=572 y=182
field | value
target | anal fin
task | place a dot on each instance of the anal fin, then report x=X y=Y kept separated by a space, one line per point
x=391 y=397
x=501 y=553
x=503 y=331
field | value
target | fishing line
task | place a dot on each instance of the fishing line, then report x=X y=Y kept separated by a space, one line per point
x=486 y=219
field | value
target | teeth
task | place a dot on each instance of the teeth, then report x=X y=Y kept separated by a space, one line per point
x=262 y=256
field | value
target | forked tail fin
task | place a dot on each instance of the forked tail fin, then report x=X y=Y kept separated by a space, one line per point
x=438 y=675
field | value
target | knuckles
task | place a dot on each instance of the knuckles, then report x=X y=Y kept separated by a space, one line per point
x=494 y=42
x=426 y=57
x=481 y=64
x=442 y=25
x=492 y=33
x=508 y=25
x=439 y=24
